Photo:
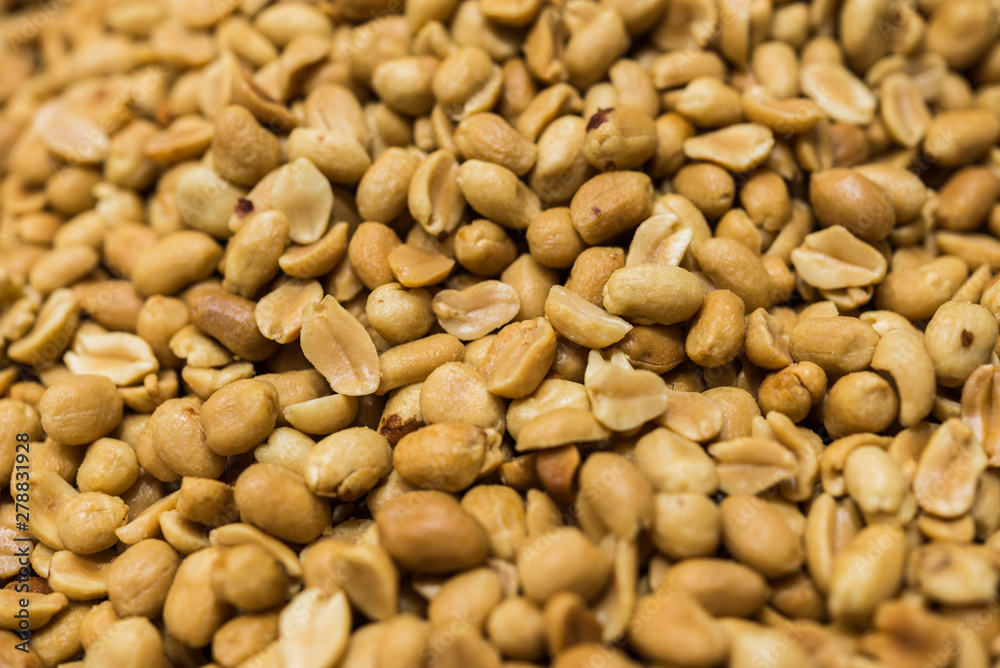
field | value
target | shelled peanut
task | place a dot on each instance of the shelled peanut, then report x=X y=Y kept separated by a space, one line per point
x=500 y=333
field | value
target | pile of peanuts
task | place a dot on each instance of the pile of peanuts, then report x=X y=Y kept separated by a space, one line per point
x=499 y=333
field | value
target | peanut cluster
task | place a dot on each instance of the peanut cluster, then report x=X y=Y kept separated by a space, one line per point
x=500 y=333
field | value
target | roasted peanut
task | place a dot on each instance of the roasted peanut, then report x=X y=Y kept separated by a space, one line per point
x=347 y=464
x=959 y=338
x=76 y=410
x=280 y=503
x=653 y=294
x=745 y=520
x=428 y=532
x=717 y=330
x=610 y=203
x=138 y=580
x=191 y=611
x=239 y=417
x=242 y=151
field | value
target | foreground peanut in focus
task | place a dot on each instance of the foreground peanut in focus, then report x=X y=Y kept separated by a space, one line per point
x=500 y=333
